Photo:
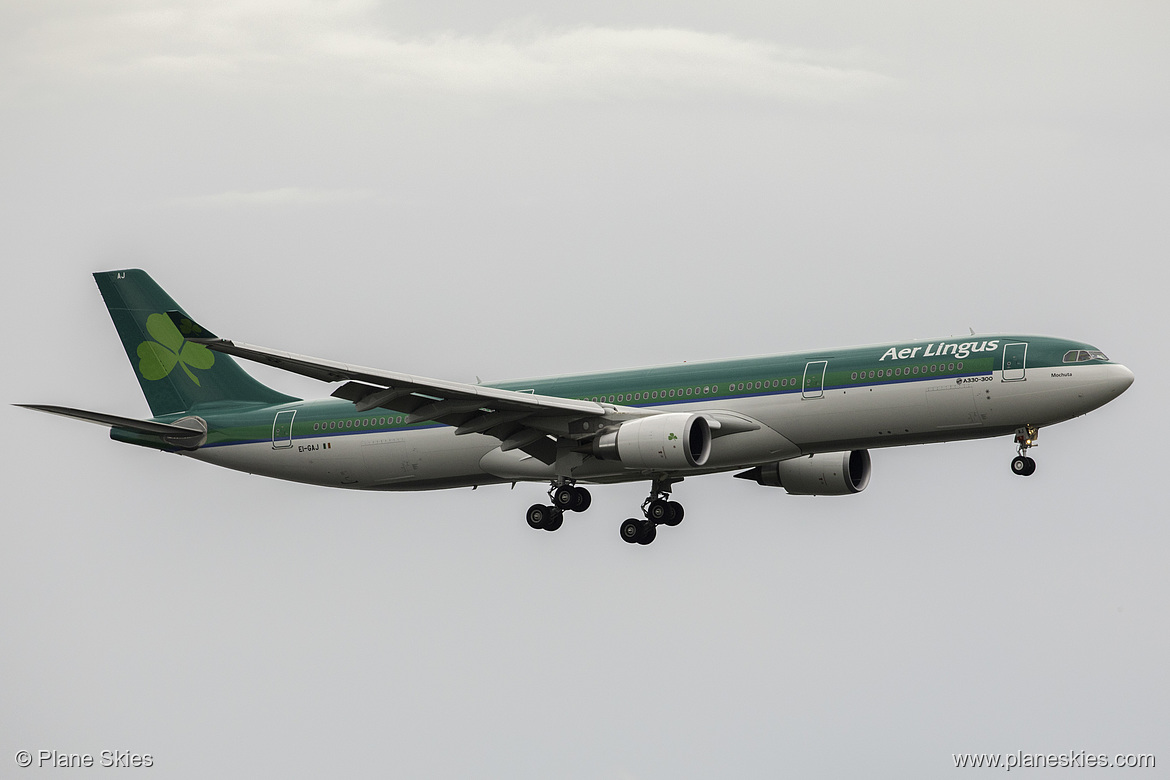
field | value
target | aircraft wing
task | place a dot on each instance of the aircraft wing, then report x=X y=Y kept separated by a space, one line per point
x=522 y=421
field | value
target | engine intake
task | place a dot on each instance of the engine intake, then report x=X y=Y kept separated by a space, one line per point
x=822 y=474
x=664 y=441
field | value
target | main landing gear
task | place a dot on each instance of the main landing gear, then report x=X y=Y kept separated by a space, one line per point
x=564 y=497
x=658 y=509
x=1025 y=438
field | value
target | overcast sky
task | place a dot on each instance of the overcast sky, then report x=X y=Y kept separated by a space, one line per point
x=509 y=189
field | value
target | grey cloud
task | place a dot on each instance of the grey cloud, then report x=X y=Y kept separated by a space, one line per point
x=335 y=47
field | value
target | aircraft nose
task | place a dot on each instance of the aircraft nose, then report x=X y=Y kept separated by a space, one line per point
x=1120 y=379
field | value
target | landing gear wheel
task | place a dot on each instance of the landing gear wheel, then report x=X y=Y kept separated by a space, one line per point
x=675 y=514
x=1023 y=465
x=631 y=530
x=657 y=511
x=648 y=533
x=538 y=515
x=555 y=519
x=564 y=497
x=583 y=500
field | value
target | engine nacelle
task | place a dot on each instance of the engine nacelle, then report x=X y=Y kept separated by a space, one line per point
x=664 y=441
x=822 y=474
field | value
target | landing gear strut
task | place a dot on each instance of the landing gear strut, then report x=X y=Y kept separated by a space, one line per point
x=658 y=509
x=565 y=497
x=1025 y=438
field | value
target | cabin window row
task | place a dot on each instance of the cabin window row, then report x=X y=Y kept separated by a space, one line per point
x=685 y=392
x=365 y=422
x=884 y=373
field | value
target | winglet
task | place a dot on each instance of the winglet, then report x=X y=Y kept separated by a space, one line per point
x=189 y=327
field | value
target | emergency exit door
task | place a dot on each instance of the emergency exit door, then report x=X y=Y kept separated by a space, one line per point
x=814 y=379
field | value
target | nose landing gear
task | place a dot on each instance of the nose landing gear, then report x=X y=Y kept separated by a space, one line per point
x=1025 y=438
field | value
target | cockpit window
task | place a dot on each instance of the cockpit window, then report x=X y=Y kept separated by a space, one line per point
x=1083 y=355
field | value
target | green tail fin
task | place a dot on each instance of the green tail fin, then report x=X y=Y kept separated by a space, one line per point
x=176 y=375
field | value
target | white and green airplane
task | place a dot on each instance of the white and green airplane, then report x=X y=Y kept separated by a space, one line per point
x=801 y=421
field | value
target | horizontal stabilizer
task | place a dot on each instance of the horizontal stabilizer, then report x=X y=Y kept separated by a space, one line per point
x=174 y=434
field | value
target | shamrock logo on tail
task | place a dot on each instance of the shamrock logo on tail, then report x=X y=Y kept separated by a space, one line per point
x=158 y=358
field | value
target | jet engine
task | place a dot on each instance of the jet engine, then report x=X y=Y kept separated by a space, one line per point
x=664 y=441
x=822 y=474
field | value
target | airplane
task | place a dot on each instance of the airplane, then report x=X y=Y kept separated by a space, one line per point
x=804 y=422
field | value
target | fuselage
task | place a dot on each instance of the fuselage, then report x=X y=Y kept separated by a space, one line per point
x=825 y=401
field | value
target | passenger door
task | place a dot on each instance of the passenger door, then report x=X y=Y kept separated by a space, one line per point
x=282 y=429
x=1014 y=358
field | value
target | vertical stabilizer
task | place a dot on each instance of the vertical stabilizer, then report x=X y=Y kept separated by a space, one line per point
x=175 y=374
